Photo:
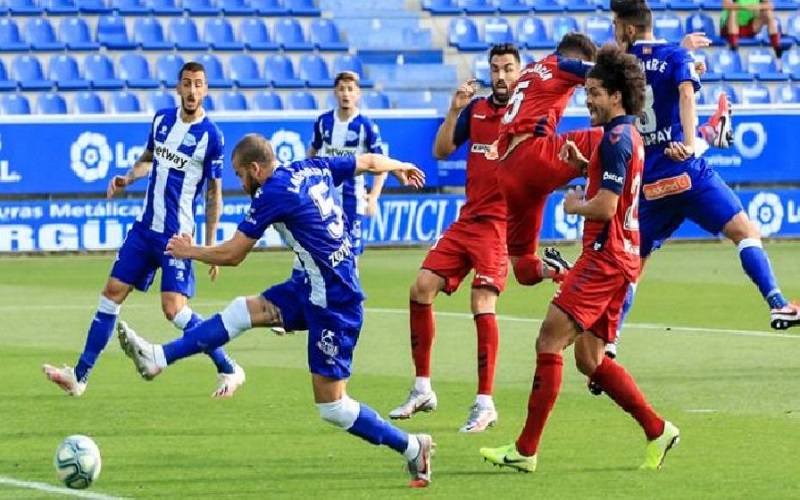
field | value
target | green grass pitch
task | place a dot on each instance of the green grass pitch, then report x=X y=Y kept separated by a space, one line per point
x=693 y=345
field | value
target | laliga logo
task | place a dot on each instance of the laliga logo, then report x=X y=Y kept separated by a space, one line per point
x=751 y=149
x=90 y=156
x=570 y=226
x=288 y=146
x=766 y=211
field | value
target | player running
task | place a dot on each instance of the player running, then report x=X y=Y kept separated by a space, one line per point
x=477 y=240
x=298 y=200
x=184 y=152
x=586 y=308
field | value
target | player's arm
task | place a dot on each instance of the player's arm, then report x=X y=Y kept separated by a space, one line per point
x=374 y=145
x=680 y=151
x=374 y=164
x=316 y=140
x=213 y=209
x=228 y=253
x=615 y=153
x=141 y=168
x=454 y=131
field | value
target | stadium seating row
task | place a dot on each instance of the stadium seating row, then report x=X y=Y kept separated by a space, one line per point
x=491 y=7
x=161 y=7
x=39 y=34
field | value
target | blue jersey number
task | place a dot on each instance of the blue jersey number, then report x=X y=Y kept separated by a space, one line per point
x=647 y=120
x=327 y=206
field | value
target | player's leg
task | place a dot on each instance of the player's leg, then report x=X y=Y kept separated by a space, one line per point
x=332 y=338
x=718 y=130
x=767 y=18
x=443 y=269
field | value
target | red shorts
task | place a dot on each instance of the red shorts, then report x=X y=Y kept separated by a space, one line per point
x=745 y=31
x=592 y=294
x=478 y=244
x=529 y=174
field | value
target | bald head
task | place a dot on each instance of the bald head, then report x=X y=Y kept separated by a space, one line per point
x=253 y=148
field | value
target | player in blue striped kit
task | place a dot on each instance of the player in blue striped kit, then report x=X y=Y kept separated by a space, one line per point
x=184 y=153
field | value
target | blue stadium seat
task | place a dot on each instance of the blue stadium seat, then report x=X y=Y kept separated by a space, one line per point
x=578 y=99
x=14 y=104
x=656 y=5
x=164 y=7
x=130 y=7
x=149 y=34
x=75 y=33
x=215 y=74
x=266 y=101
x=790 y=63
x=532 y=33
x=209 y=104
x=41 y=36
x=51 y=104
x=599 y=28
x=289 y=34
x=63 y=70
x=547 y=6
x=244 y=72
x=669 y=27
x=442 y=7
x=713 y=93
x=112 y=33
x=162 y=100
x=793 y=27
x=526 y=59
x=302 y=7
x=5 y=83
x=513 y=7
x=586 y=5
x=60 y=7
x=314 y=70
x=183 y=32
x=168 y=68
x=688 y=5
x=125 y=102
x=236 y=7
x=325 y=35
x=700 y=97
x=302 y=99
x=792 y=5
x=218 y=33
x=332 y=103
x=463 y=34
x=699 y=21
x=422 y=100
x=709 y=75
x=255 y=35
x=27 y=70
x=10 y=39
x=99 y=70
x=232 y=101
x=756 y=93
x=375 y=100
x=563 y=25
x=24 y=8
x=200 y=8
x=761 y=62
x=269 y=7
x=478 y=7
x=481 y=70
x=346 y=62
x=497 y=30
x=729 y=64
x=135 y=70
x=279 y=69
x=89 y=103
x=788 y=94
x=93 y=7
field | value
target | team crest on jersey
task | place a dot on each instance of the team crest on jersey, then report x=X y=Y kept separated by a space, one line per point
x=189 y=140
x=163 y=131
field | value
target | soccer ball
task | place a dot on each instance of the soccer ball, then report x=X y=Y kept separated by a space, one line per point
x=77 y=462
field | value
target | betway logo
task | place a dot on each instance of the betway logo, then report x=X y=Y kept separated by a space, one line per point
x=177 y=160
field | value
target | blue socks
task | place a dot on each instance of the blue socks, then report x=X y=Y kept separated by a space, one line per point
x=204 y=337
x=98 y=336
x=756 y=264
x=372 y=428
x=186 y=319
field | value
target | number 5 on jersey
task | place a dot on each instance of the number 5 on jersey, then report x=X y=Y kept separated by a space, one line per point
x=327 y=206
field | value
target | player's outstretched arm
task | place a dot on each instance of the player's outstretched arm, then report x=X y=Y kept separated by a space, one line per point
x=407 y=173
x=228 y=253
x=444 y=144
x=140 y=169
x=213 y=211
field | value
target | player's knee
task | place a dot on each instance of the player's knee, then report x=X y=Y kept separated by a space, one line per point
x=483 y=300
x=585 y=363
x=341 y=413
x=236 y=317
x=425 y=288
x=528 y=270
x=170 y=309
x=115 y=291
x=740 y=228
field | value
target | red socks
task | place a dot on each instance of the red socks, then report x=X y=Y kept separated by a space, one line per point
x=546 y=385
x=620 y=387
x=488 y=341
x=423 y=330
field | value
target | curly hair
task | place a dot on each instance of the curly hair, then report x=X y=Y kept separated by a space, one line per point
x=577 y=42
x=620 y=72
x=634 y=12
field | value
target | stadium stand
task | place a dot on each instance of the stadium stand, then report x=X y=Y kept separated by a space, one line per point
x=264 y=54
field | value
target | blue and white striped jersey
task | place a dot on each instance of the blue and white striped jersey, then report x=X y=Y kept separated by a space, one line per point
x=334 y=137
x=185 y=155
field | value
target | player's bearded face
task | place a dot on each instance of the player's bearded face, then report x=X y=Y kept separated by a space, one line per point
x=193 y=89
x=505 y=72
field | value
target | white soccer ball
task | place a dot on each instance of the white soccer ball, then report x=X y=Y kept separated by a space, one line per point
x=77 y=462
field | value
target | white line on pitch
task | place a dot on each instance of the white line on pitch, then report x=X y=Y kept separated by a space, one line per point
x=32 y=485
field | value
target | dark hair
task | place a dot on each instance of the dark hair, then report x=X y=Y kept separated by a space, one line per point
x=633 y=12
x=502 y=49
x=346 y=76
x=577 y=42
x=191 y=67
x=254 y=148
x=620 y=72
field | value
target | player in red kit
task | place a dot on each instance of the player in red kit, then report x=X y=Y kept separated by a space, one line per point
x=475 y=241
x=528 y=148
x=586 y=308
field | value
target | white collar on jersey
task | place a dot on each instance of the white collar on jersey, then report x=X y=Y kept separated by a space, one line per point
x=658 y=41
x=193 y=122
x=337 y=119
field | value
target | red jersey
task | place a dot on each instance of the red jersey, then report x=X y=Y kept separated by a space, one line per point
x=540 y=97
x=617 y=166
x=478 y=123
